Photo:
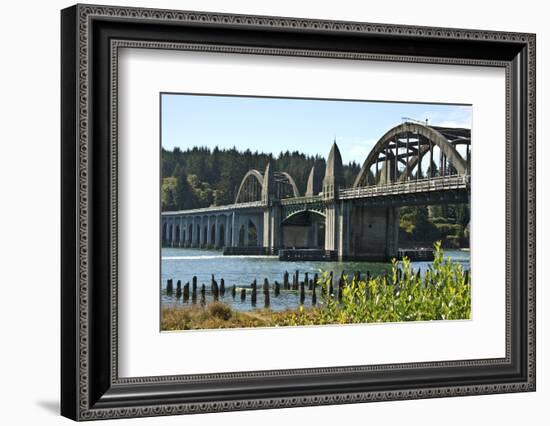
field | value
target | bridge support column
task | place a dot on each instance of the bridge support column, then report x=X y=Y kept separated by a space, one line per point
x=343 y=221
x=209 y=241
x=331 y=227
x=194 y=233
x=163 y=228
x=217 y=232
x=337 y=228
x=182 y=233
x=228 y=232
x=187 y=233
x=234 y=231
x=200 y=233
x=374 y=232
x=173 y=240
x=272 y=228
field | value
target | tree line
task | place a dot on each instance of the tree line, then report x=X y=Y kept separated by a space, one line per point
x=202 y=177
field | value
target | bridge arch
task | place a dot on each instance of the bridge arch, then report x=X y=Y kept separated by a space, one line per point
x=252 y=185
x=389 y=150
x=286 y=186
x=250 y=188
x=304 y=229
x=299 y=212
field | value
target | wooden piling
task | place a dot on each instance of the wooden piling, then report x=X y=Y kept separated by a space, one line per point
x=186 y=292
x=285 y=281
x=253 y=297
x=178 y=289
x=215 y=289
x=313 y=297
x=222 y=287
x=302 y=293
x=243 y=294
x=277 y=289
x=169 y=286
x=233 y=291
x=203 y=295
x=266 y=299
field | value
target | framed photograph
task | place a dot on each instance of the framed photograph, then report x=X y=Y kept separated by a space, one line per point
x=263 y=212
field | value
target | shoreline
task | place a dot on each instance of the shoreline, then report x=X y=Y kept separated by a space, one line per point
x=403 y=294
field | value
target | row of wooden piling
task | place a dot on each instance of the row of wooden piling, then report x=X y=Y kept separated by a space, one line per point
x=290 y=283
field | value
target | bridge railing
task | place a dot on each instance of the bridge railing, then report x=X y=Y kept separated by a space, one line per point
x=301 y=200
x=437 y=183
x=213 y=209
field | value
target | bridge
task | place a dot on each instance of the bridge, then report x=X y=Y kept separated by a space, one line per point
x=357 y=222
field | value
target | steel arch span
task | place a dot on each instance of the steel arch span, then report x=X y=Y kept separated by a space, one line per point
x=250 y=188
x=406 y=145
x=254 y=184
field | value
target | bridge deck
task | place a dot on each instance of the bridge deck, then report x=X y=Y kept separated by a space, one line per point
x=213 y=209
x=413 y=186
x=439 y=183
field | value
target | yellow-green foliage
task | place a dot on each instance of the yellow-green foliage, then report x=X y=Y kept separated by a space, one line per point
x=443 y=293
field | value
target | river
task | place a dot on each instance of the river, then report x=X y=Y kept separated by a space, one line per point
x=182 y=264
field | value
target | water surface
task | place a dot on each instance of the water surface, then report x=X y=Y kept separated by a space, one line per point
x=183 y=263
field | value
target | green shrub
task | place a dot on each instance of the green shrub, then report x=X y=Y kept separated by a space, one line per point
x=443 y=293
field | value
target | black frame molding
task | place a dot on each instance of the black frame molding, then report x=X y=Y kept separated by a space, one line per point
x=90 y=38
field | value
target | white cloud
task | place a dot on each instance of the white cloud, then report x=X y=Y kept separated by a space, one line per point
x=355 y=149
x=461 y=116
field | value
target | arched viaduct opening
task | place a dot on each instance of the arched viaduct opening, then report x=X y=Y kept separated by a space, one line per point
x=305 y=229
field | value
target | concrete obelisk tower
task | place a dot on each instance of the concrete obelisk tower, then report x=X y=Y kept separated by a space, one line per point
x=335 y=224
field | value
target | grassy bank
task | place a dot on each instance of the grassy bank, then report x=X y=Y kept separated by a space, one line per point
x=443 y=293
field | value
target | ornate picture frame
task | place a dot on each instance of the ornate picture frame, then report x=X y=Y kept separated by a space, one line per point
x=91 y=37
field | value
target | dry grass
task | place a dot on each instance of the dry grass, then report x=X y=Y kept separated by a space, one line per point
x=214 y=315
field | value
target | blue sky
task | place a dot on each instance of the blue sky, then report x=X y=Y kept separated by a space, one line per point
x=280 y=124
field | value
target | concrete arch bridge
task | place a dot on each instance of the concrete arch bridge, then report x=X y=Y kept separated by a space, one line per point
x=411 y=164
